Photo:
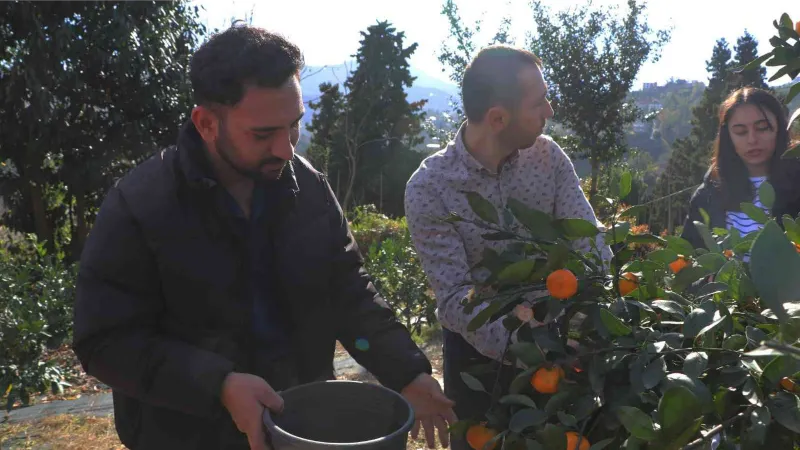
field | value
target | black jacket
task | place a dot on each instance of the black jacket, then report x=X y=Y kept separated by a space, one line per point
x=709 y=198
x=162 y=318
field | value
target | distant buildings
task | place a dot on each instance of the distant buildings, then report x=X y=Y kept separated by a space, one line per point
x=647 y=86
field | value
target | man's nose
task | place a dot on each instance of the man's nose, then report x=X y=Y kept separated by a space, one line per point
x=284 y=149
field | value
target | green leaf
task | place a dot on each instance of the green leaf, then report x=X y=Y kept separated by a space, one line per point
x=577 y=228
x=712 y=326
x=617 y=233
x=539 y=224
x=519 y=400
x=637 y=423
x=766 y=193
x=754 y=336
x=696 y=321
x=654 y=373
x=680 y=246
x=754 y=64
x=602 y=444
x=712 y=261
x=754 y=212
x=645 y=239
x=705 y=216
x=735 y=342
x=699 y=389
x=677 y=410
x=760 y=419
x=530 y=444
x=625 y=184
x=793 y=92
x=614 y=325
x=785 y=408
x=708 y=239
x=669 y=306
x=483 y=317
x=517 y=272
x=472 y=382
x=527 y=352
x=774 y=267
x=786 y=21
x=522 y=381
x=553 y=436
x=526 y=418
x=568 y=420
x=664 y=256
x=792 y=228
x=778 y=368
x=689 y=275
x=793 y=151
x=482 y=208
x=695 y=364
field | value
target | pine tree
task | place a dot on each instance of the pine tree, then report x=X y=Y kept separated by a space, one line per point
x=376 y=127
x=747 y=50
x=690 y=157
x=323 y=125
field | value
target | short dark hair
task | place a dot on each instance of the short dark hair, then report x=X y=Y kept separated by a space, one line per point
x=491 y=79
x=242 y=55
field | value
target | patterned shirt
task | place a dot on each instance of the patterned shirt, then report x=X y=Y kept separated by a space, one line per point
x=541 y=177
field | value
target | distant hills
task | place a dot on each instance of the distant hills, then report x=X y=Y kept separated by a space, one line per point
x=426 y=86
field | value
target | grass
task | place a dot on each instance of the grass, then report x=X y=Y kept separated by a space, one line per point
x=69 y=432
x=62 y=432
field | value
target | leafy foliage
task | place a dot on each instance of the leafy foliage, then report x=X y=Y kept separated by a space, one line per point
x=395 y=268
x=36 y=294
x=661 y=366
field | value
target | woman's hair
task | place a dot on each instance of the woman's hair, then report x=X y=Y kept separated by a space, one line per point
x=728 y=169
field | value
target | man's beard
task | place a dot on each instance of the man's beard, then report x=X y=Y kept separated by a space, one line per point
x=225 y=149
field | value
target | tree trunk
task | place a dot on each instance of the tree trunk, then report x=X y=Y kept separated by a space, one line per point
x=595 y=177
x=351 y=181
x=43 y=230
x=81 y=229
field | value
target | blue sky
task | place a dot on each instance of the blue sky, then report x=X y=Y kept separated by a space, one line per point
x=328 y=31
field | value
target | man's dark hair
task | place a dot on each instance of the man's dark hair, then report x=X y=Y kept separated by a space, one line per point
x=491 y=79
x=238 y=57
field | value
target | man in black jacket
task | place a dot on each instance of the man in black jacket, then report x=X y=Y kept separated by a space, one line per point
x=222 y=270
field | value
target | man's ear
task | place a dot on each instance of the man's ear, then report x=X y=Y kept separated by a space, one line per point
x=206 y=121
x=498 y=118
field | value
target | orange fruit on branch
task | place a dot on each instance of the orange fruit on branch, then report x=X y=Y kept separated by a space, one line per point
x=628 y=283
x=797 y=27
x=546 y=379
x=679 y=264
x=572 y=441
x=562 y=284
x=479 y=435
x=789 y=384
x=728 y=254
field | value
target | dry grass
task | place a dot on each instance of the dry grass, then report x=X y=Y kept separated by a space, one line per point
x=62 y=432
x=65 y=432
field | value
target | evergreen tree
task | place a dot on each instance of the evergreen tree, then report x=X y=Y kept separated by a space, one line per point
x=746 y=51
x=327 y=109
x=376 y=127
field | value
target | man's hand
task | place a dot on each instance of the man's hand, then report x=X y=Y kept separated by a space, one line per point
x=432 y=409
x=245 y=396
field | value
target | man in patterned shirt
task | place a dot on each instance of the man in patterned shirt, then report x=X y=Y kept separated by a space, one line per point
x=499 y=152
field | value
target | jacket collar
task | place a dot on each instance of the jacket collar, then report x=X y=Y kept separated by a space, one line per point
x=197 y=170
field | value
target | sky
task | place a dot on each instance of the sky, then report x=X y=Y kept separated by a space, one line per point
x=328 y=31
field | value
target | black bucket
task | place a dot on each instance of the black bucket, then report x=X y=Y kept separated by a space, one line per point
x=340 y=414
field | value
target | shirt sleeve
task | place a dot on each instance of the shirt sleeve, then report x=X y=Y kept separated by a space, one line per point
x=570 y=202
x=444 y=259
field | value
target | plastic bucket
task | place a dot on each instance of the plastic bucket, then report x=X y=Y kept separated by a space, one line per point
x=340 y=414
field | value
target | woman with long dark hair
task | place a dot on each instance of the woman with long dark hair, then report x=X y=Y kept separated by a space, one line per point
x=751 y=139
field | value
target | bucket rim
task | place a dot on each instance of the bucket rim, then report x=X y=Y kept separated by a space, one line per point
x=272 y=427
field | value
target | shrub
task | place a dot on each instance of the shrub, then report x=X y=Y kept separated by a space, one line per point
x=36 y=295
x=392 y=262
x=672 y=363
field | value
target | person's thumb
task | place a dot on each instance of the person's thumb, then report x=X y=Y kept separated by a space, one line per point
x=270 y=399
x=257 y=438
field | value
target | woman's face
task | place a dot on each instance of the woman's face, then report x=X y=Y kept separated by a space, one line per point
x=753 y=133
